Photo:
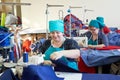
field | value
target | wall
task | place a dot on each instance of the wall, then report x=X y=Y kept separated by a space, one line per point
x=34 y=16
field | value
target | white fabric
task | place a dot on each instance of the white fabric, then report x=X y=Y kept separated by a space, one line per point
x=35 y=59
x=69 y=75
x=10 y=19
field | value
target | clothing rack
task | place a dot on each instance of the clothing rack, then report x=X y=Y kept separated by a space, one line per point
x=72 y=7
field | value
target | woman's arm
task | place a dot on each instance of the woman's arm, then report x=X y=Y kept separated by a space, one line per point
x=75 y=53
x=96 y=46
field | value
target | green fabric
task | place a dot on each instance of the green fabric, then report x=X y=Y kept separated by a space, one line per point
x=56 y=25
x=51 y=49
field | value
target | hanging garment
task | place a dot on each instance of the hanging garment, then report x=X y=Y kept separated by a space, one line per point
x=76 y=25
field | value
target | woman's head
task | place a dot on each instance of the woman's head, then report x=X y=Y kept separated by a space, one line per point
x=56 y=28
x=94 y=26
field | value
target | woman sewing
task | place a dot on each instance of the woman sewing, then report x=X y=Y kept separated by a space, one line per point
x=96 y=38
x=60 y=50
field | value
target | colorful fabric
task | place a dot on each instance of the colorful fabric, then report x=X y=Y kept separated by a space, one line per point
x=76 y=25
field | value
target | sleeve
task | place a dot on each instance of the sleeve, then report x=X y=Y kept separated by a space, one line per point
x=87 y=34
x=71 y=44
x=45 y=46
x=105 y=40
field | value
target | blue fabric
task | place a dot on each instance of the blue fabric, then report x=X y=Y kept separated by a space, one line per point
x=5 y=39
x=99 y=57
x=39 y=72
x=65 y=61
x=86 y=76
x=113 y=28
x=56 y=25
x=94 y=23
x=114 y=39
x=8 y=75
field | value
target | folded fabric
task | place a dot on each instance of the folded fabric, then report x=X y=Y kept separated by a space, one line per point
x=39 y=72
x=8 y=75
x=109 y=48
x=99 y=57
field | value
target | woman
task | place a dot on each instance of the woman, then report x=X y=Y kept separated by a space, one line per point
x=96 y=38
x=59 y=50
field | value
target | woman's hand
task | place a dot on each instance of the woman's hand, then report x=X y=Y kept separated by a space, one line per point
x=47 y=62
x=56 y=55
x=91 y=46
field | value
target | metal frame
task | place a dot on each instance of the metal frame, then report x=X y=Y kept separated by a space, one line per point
x=47 y=6
x=72 y=7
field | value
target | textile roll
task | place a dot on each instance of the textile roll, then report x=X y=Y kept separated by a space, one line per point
x=25 y=57
x=11 y=55
x=3 y=16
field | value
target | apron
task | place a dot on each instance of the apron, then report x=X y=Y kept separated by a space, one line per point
x=91 y=42
x=65 y=61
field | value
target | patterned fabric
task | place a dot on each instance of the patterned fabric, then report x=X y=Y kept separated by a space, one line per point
x=76 y=25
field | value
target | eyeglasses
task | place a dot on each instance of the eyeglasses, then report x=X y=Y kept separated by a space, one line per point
x=92 y=29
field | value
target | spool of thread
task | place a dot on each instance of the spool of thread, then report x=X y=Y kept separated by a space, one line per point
x=11 y=55
x=25 y=57
x=3 y=16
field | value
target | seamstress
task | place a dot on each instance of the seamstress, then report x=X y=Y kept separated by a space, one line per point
x=60 y=50
x=96 y=38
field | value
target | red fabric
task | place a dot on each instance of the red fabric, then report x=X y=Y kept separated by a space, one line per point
x=26 y=46
x=84 y=68
x=106 y=30
x=19 y=20
x=109 y=48
x=16 y=54
x=118 y=31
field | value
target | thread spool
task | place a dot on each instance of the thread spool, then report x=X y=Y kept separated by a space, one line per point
x=3 y=15
x=25 y=57
x=11 y=55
